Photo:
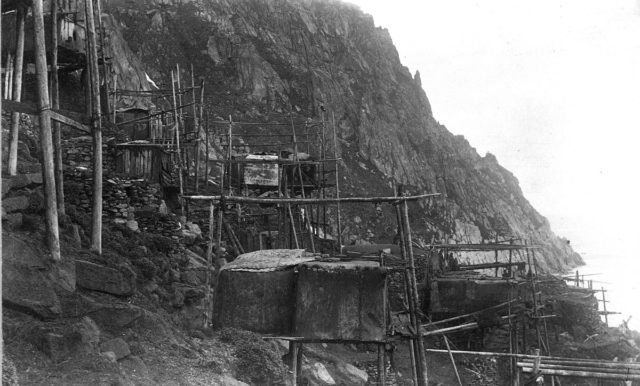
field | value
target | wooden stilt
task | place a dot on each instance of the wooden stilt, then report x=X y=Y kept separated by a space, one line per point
x=55 y=100
x=177 y=128
x=293 y=352
x=413 y=347
x=382 y=369
x=604 y=307
x=207 y=288
x=96 y=216
x=337 y=179
x=453 y=362
x=198 y=134
x=12 y=165
x=405 y=230
x=51 y=211
x=9 y=76
x=206 y=150
x=104 y=60
x=299 y=361
x=115 y=94
x=229 y=153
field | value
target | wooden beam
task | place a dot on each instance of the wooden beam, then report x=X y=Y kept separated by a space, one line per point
x=67 y=117
x=46 y=141
x=257 y=200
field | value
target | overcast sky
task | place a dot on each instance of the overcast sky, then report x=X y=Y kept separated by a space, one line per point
x=551 y=87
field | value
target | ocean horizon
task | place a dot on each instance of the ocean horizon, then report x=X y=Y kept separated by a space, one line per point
x=619 y=278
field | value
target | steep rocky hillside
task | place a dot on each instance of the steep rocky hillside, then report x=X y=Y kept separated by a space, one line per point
x=263 y=59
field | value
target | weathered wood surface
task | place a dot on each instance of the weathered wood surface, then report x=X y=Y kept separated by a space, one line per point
x=46 y=141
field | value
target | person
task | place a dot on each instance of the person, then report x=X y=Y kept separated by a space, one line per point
x=453 y=263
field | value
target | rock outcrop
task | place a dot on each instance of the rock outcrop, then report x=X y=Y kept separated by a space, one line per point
x=259 y=59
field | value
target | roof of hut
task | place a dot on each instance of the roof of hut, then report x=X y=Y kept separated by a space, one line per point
x=335 y=266
x=267 y=260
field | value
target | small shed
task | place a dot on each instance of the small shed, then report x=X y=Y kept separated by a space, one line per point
x=341 y=301
x=256 y=291
x=141 y=159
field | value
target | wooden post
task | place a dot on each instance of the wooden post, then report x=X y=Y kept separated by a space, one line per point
x=405 y=230
x=104 y=61
x=206 y=150
x=382 y=370
x=55 y=100
x=453 y=362
x=299 y=361
x=604 y=307
x=198 y=133
x=51 y=211
x=12 y=165
x=177 y=127
x=230 y=139
x=293 y=352
x=207 y=288
x=337 y=176
x=96 y=218
x=115 y=93
x=9 y=77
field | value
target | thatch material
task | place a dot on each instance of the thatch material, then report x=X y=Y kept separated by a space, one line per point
x=269 y=260
x=341 y=300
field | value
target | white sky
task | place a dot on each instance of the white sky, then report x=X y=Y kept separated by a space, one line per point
x=551 y=87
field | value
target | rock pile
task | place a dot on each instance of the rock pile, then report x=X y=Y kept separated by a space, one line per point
x=78 y=152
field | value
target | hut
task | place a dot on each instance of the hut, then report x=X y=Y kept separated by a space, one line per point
x=341 y=301
x=256 y=291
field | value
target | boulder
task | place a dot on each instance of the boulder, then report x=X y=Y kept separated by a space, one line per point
x=14 y=204
x=25 y=285
x=118 y=346
x=13 y=220
x=24 y=180
x=225 y=380
x=135 y=366
x=132 y=225
x=319 y=374
x=54 y=346
x=104 y=279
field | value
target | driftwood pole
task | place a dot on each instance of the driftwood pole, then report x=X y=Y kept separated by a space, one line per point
x=335 y=156
x=413 y=347
x=453 y=362
x=207 y=288
x=12 y=165
x=96 y=118
x=405 y=236
x=177 y=127
x=604 y=307
x=115 y=93
x=51 y=212
x=104 y=61
x=414 y=290
x=55 y=100
x=206 y=150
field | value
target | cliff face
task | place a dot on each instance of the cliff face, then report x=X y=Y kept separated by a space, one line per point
x=262 y=58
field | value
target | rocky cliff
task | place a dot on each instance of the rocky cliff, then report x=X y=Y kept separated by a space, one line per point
x=262 y=59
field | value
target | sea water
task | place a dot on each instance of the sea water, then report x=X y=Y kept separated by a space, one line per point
x=619 y=276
